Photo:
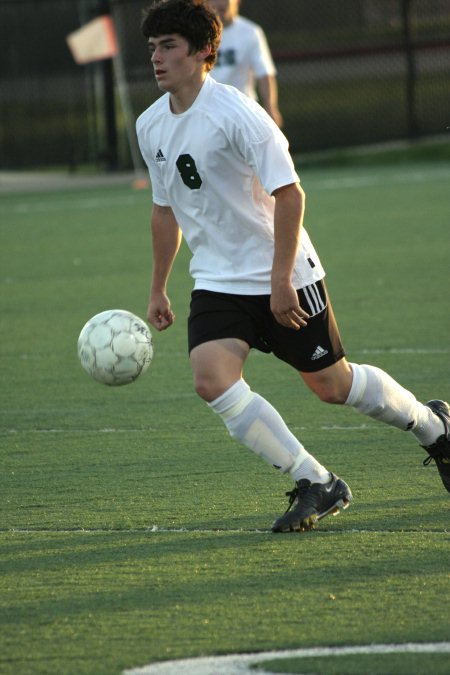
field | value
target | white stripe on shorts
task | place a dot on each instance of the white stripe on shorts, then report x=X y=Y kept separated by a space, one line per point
x=314 y=300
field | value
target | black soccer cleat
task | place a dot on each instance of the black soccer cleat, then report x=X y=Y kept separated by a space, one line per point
x=314 y=501
x=440 y=449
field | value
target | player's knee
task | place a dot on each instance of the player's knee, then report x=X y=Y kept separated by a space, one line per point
x=203 y=389
x=332 y=393
x=331 y=385
x=207 y=389
x=331 y=396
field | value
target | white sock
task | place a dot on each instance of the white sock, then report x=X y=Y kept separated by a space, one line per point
x=251 y=419
x=378 y=395
x=310 y=468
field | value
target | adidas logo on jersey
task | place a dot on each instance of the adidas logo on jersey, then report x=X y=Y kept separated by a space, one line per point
x=320 y=351
x=159 y=156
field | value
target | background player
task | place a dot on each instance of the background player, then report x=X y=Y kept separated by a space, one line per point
x=244 y=59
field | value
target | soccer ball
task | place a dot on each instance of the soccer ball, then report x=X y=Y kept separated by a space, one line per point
x=115 y=347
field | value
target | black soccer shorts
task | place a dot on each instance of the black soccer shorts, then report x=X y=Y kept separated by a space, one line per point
x=214 y=316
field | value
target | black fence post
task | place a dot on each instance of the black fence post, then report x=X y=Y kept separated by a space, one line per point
x=111 y=150
x=411 y=75
x=111 y=154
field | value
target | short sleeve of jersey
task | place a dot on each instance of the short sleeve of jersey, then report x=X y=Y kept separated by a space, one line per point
x=265 y=149
x=262 y=61
x=272 y=163
x=159 y=194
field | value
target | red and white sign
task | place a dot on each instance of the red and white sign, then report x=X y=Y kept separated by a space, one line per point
x=94 y=41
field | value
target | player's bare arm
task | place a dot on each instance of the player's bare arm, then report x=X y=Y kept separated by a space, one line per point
x=268 y=91
x=288 y=219
x=166 y=237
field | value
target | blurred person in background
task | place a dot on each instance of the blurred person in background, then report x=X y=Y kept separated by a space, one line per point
x=244 y=58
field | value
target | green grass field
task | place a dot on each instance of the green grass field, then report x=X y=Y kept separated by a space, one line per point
x=134 y=530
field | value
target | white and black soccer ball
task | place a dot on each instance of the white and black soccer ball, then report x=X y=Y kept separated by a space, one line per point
x=115 y=347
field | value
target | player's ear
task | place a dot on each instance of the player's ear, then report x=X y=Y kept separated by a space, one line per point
x=204 y=53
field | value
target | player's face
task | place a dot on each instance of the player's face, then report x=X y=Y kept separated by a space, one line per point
x=173 y=66
x=226 y=9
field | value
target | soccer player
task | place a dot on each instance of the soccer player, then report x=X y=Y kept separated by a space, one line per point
x=244 y=59
x=222 y=175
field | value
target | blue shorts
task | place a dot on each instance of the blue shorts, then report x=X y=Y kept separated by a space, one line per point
x=215 y=316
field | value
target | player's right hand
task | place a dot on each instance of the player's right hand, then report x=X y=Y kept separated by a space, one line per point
x=285 y=307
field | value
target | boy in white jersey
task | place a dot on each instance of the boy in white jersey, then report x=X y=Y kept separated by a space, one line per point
x=221 y=173
x=244 y=59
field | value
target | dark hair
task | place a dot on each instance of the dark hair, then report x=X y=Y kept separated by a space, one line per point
x=194 y=20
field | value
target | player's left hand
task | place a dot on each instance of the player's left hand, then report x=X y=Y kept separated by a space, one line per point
x=286 y=308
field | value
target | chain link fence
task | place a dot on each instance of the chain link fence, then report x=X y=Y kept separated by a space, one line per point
x=349 y=73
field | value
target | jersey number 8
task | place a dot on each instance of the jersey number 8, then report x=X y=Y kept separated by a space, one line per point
x=188 y=172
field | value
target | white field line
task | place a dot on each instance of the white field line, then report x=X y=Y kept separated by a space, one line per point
x=424 y=351
x=240 y=664
x=323 y=427
x=397 y=351
x=376 y=180
x=82 y=204
x=156 y=529
x=403 y=350
x=350 y=182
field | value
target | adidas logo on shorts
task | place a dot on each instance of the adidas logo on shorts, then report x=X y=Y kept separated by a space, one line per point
x=320 y=351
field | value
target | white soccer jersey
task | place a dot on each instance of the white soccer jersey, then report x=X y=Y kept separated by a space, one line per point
x=216 y=166
x=243 y=56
